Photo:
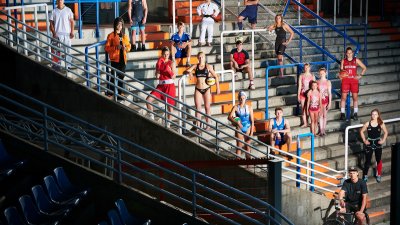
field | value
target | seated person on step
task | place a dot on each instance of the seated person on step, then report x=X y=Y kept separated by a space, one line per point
x=280 y=131
x=240 y=62
x=181 y=45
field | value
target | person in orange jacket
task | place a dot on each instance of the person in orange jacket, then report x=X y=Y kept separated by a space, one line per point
x=117 y=46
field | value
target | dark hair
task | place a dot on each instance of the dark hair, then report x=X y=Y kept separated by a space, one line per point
x=348 y=48
x=164 y=49
x=116 y=22
x=278 y=109
x=322 y=68
x=311 y=83
x=238 y=42
x=380 y=121
x=180 y=23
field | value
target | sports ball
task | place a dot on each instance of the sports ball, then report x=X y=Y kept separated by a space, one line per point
x=236 y=119
x=210 y=81
x=343 y=74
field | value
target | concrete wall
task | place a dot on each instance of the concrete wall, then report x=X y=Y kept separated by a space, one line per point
x=303 y=207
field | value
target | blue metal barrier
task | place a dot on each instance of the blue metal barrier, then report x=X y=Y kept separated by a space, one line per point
x=312 y=159
x=191 y=184
x=96 y=47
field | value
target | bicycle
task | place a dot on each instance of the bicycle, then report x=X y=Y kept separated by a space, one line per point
x=341 y=218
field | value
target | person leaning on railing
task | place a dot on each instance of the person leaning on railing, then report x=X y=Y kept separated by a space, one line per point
x=117 y=46
x=353 y=196
x=241 y=116
x=281 y=42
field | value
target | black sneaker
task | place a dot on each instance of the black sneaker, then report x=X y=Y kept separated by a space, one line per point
x=355 y=116
x=342 y=116
x=133 y=48
x=143 y=47
x=139 y=47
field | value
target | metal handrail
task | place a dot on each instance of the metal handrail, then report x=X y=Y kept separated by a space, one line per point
x=346 y=141
x=96 y=47
x=190 y=17
x=323 y=21
x=48 y=113
x=22 y=8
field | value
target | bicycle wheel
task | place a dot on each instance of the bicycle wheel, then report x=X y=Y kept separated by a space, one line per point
x=333 y=222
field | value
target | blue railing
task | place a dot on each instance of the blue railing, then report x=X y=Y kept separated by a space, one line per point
x=98 y=71
x=345 y=26
x=323 y=21
x=298 y=177
x=181 y=188
x=96 y=3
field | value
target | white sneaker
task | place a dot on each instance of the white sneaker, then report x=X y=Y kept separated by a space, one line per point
x=151 y=116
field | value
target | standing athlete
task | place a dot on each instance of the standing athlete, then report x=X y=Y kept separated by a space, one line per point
x=137 y=12
x=350 y=83
x=249 y=12
x=373 y=143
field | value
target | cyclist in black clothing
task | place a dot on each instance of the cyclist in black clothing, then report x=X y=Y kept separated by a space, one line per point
x=353 y=196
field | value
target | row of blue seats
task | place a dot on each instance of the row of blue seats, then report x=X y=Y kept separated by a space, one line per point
x=50 y=206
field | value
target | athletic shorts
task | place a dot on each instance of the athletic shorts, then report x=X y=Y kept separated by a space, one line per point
x=168 y=89
x=137 y=25
x=350 y=84
x=180 y=53
x=251 y=15
x=279 y=47
x=280 y=141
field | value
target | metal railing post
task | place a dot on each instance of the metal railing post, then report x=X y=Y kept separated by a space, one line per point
x=45 y=129
x=318 y=5
x=223 y=14
x=191 y=17
x=194 y=209
x=351 y=11
x=119 y=161
x=366 y=12
x=323 y=42
x=348 y=110
x=173 y=17
x=334 y=12
x=252 y=54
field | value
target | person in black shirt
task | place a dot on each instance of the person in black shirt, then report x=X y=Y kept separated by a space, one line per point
x=373 y=143
x=353 y=196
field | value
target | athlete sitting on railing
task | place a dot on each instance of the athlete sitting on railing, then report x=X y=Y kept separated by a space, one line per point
x=280 y=131
x=181 y=44
x=240 y=62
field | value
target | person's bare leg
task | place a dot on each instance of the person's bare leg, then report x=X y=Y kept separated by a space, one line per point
x=280 y=62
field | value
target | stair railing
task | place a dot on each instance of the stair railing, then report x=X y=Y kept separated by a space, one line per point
x=217 y=137
x=23 y=16
x=346 y=141
x=174 y=17
x=194 y=191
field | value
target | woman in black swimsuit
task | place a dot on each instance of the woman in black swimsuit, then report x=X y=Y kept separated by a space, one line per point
x=281 y=43
x=202 y=90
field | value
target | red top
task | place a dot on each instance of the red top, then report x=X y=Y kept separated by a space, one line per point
x=164 y=68
x=350 y=67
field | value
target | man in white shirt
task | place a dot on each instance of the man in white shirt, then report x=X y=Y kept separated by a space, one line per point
x=62 y=25
x=209 y=11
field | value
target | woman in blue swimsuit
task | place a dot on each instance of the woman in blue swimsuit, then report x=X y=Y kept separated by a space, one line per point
x=244 y=123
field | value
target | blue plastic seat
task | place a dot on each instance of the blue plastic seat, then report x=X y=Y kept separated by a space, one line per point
x=32 y=214
x=45 y=205
x=66 y=186
x=13 y=217
x=102 y=223
x=56 y=195
x=8 y=164
x=128 y=218
x=114 y=218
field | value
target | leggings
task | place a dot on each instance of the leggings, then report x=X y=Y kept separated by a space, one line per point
x=368 y=157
